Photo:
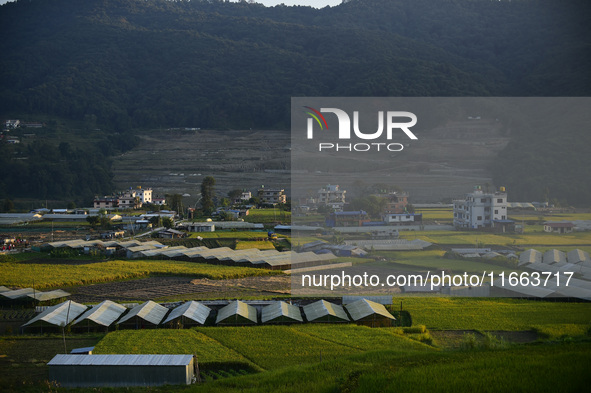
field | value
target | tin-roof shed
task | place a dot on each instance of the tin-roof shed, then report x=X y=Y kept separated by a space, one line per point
x=102 y=315
x=237 y=313
x=48 y=296
x=281 y=312
x=369 y=313
x=554 y=256
x=148 y=314
x=59 y=315
x=530 y=256
x=578 y=256
x=189 y=313
x=121 y=370
x=323 y=311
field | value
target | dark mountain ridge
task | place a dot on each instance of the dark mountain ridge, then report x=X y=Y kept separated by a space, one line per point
x=125 y=64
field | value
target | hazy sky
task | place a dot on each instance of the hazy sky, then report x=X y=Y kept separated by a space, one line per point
x=312 y=3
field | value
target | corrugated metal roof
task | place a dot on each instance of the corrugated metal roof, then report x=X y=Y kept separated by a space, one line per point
x=59 y=315
x=364 y=308
x=45 y=296
x=577 y=256
x=322 y=308
x=530 y=256
x=142 y=247
x=4 y=289
x=83 y=350
x=237 y=308
x=120 y=360
x=17 y=293
x=554 y=256
x=281 y=309
x=530 y=290
x=103 y=314
x=149 y=311
x=377 y=299
x=192 y=310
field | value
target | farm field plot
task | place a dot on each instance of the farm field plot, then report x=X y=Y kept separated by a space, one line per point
x=177 y=161
x=23 y=359
x=183 y=288
x=273 y=347
x=433 y=259
x=266 y=216
x=171 y=341
x=490 y=239
x=362 y=337
x=494 y=313
x=249 y=244
x=245 y=235
x=51 y=275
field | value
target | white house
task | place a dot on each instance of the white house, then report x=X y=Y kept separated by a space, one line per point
x=332 y=196
x=479 y=209
x=145 y=194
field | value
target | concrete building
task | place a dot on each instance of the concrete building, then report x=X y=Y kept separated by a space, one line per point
x=332 y=197
x=121 y=370
x=159 y=201
x=243 y=198
x=201 y=227
x=480 y=209
x=12 y=124
x=106 y=202
x=402 y=218
x=130 y=200
x=145 y=194
x=397 y=202
x=558 y=227
x=272 y=196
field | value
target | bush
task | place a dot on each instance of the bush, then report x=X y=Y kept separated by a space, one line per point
x=7 y=258
x=63 y=253
x=415 y=329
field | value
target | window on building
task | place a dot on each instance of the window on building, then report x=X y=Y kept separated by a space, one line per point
x=500 y=200
x=482 y=200
x=479 y=218
x=496 y=212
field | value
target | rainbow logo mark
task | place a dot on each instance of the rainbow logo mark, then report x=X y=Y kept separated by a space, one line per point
x=315 y=115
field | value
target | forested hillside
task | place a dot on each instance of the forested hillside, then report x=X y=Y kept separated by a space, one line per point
x=128 y=64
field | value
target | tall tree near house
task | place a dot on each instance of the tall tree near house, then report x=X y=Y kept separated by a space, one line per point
x=176 y=203
x=234 y=194
x=207 y=194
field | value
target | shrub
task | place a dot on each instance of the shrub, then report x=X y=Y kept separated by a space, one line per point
x=415 y=329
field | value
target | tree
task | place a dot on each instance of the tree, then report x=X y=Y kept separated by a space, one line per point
x=207 y=195
x=7 y=206
x=93 y=221
x=167 y=222
x=71 y=205
x=234 y=194
x=176 y=202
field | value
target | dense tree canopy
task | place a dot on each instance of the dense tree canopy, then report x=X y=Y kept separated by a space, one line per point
x=122 y=64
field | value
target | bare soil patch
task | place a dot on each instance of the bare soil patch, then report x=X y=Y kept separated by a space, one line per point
x=162 y=288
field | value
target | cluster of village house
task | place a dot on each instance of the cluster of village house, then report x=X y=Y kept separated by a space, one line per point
x=136 y=198
x=14 y=124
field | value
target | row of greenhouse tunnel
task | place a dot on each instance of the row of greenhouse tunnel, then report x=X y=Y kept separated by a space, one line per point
x=109 y=315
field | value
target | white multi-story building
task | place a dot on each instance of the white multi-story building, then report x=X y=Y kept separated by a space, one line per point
x=272 y=196
x=332 y=196
x=145 y=194
x=480 y=209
